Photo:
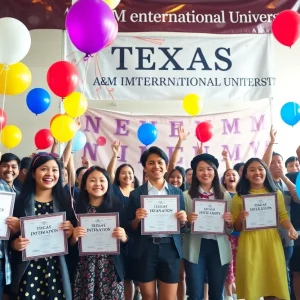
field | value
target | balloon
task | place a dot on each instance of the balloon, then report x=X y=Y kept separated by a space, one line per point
x=286 y=27
x=38 y=100
x=15 y=41
x=14 y=79
x=11 y=136
x=43 y=139
x=290 y=113
x=62 y=78
x=89 y=25
x=112 y=3
x=147 y=133
x=75 y=105
x=101 y=141
x=3 y=119
x=63 y=128
x=191 y=104
x=78 y=141
x=113 y=34
x=54 y=117
x=204 y=131
x=298 y=185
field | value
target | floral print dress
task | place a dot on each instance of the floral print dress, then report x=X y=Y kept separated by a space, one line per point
x=96 y=278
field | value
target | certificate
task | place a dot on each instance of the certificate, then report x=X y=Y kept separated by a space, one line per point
x=46 y=239
x=161 y=218
x=263 y=211
x=210 y=216
x=7 y=201
x=99 y=239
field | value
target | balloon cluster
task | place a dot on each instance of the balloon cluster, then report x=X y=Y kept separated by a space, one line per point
x=290 y=113
x=286 y=27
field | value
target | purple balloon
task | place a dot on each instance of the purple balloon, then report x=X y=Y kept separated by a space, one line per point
x=89 y=24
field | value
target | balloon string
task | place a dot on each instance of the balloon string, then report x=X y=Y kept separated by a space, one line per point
x=6 y=68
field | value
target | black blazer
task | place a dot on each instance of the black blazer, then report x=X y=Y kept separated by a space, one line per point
x=138 y=242
x=118 y=259
x=24 y=208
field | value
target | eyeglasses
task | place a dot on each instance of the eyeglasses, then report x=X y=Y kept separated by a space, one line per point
x=55 y=155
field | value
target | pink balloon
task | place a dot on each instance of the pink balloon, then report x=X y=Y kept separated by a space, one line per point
x=101 y=141
x=113 y=34
x=89 y=24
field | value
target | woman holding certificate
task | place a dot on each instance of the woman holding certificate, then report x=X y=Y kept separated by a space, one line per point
x=206 y=247
x=98 y=274
x=42 y=207
x=256 y=209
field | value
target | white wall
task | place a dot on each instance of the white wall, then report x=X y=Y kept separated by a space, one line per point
x=47 y=48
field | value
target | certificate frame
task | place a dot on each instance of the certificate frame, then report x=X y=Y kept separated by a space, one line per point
x=10 y=213
x=143 y=199
x=23 y=220
x=244 y=199
x=99 y=215
x=209 y=201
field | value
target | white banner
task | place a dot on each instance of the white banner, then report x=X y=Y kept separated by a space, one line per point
x=243 y=134
x=144 y=67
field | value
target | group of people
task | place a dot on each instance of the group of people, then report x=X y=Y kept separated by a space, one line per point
x=251 y=264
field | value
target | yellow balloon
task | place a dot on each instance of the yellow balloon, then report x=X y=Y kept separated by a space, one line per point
x=17 y=77
x=112 y=3
x=75 y=105
x=11 y=136
x=191 y=104
x=63 y=128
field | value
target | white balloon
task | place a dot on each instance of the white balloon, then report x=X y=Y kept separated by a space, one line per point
x=15 y=41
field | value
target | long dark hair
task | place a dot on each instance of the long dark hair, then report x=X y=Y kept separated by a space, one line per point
x=29 y=186
x=243 y=186
x=182 y=173
x=118 y=171
x=216 y=185
x=82 y=203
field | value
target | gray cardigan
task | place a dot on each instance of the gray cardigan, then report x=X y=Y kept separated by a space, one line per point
x=192 y=242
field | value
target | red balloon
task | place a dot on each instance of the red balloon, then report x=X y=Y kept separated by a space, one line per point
x=113 y=33
x=43 y=139
x=3 y=118
x=54 y=117
x=63 y=78
x=286 y=27
x=204 y=131
x=101 y=141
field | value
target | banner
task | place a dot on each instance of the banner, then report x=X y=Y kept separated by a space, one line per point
x=244 y=134
x=206 y=16
x=163 y=68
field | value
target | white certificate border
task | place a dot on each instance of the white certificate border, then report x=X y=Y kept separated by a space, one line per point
x=22 y=224
x=143 y=197
x=208 y=201
x=99 y=215
x=11 y=210
x=246 y=228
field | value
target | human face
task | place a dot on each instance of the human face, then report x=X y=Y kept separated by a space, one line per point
x=65 y=177
x=256 y=174
x=9 y=171
x=205 y=173
x=79 y=177
x=176 y=179
x=46 y=176
x=126 y=176
x=231 y=179
x=276 y=166
x=188 y=177
x=96 y=184
x=155 y=167
x=293 y=167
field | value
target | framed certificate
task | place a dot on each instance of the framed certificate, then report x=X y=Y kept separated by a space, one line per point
x=210 y=216
x=161 y=218
x=263 y=211
x=98 y=239
x=7 y=201
x=46 y=239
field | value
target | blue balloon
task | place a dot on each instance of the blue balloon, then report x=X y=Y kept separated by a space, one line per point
x=79 y=141
x=298 y=185
x=147 y=133
x=38 y=100
x=290 y=113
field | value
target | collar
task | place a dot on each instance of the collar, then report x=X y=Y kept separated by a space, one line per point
x=211 y=191
x=150 y=186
